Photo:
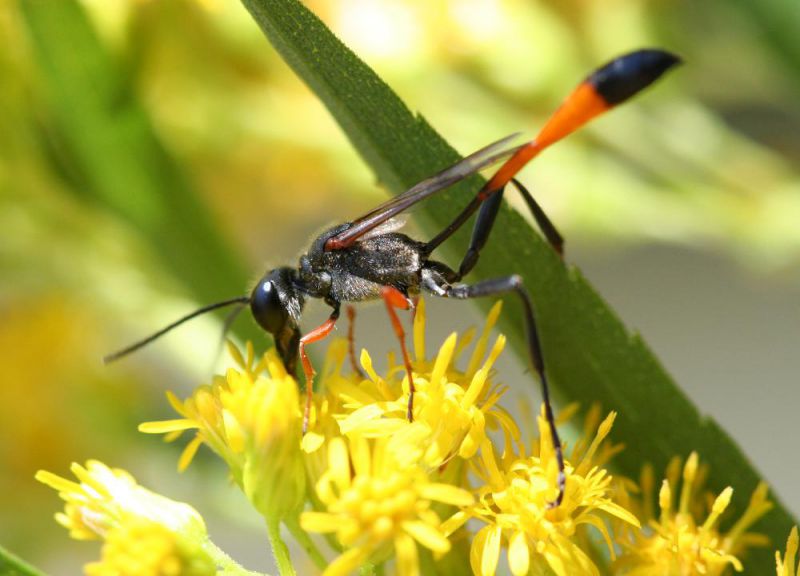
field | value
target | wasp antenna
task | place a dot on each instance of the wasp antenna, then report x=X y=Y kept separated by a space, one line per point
x=241 y=300
x=226 y=327
x=602 y=90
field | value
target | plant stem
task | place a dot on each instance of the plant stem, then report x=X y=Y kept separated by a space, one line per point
x=279 y=549
x=12 y=564
x=305 y=541
x=229 y=566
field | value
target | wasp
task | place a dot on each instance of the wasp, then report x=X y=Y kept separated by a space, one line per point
x=369 y=258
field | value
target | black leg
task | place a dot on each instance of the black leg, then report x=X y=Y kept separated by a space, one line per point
x=480 y=232
x=550 y=232
x=487 y=204
x=495 y=287
x=485 y=221
x=351 y=342
x=458 y=221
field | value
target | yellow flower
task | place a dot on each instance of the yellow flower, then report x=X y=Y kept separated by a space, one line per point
x=678 y=543
x=786 y=566
x=145 y=533
x=515 y=504
x=139 y=547
x=378 y=501
x=452 y=412
x=251 y=418
x=454 y=407
x=107 y=497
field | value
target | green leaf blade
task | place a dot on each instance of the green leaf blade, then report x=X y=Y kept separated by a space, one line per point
x=12 y=565
x=113 y=157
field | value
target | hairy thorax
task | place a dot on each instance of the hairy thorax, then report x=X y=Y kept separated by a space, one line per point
x=358 y=272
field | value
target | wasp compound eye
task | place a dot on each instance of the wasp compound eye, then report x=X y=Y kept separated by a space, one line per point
x=268 y=310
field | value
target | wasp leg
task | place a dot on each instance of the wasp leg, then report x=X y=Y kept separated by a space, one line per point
x=484 y=223
x=433 y=281
x=487 y=204
x=550 y=232
x=351 y=341
x=396 y=299
x=315 y=335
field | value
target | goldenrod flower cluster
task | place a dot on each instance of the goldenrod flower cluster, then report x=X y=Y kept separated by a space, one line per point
x=251 y=419
x=684 y=538
x=145 y=534
x=456 y=489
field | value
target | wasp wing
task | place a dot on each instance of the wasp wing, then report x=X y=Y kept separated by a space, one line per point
x=391 y=225
x=473 y=163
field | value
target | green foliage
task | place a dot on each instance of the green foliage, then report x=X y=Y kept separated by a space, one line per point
x=111 y=154
x=10 y=565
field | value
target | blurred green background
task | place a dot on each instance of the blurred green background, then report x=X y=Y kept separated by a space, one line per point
x=129 y=129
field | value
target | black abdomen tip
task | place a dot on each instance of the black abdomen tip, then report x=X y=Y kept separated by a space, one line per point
x=625 y=76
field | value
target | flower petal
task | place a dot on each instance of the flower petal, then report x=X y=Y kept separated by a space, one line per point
x=455 y=522
x=347 y=562
x=407 y=557
x=476 y=550
x=188 y=453
x=428 y=536
x=339 y=462
x=519 y=556
x=164 y=426
x=618 y=511
x=491 y=551
x=447 y=494
x=320 y=522
x=311 y=442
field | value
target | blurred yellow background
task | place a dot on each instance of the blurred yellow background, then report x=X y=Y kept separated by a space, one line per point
x=682 y=207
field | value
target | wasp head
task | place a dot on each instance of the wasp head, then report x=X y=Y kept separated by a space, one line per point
x=276 y=304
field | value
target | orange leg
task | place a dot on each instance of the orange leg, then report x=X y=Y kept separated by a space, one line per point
x=395 y=299
x=315 y=335
x=351 y=346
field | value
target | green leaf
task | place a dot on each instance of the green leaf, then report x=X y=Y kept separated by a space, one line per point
x=112 y=157
x=591 y=356
x=11 y=565
x=777 y=20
